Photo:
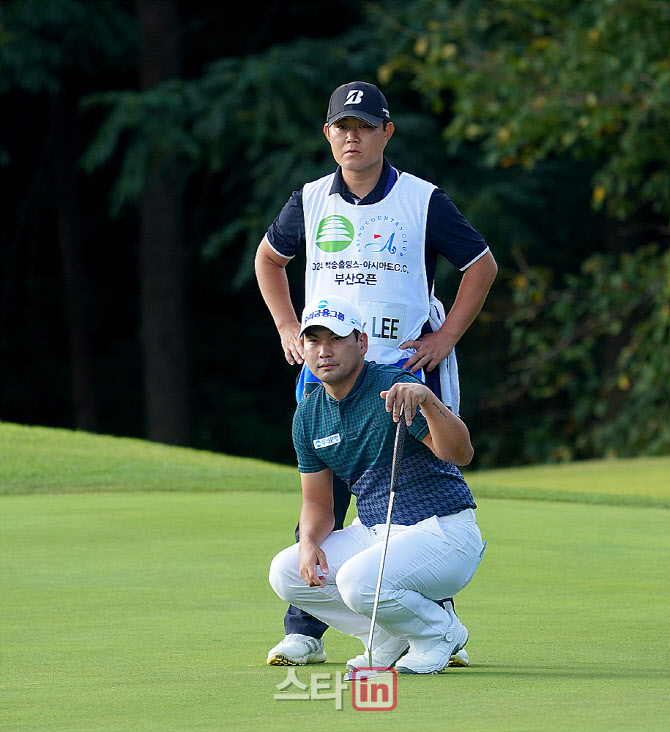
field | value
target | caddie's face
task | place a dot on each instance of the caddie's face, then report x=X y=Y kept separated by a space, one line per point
x=357 y=145
x=336 y=360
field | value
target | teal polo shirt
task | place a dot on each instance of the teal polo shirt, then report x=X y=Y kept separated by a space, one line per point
x=354 y=437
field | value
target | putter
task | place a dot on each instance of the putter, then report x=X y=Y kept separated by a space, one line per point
x=398 y=445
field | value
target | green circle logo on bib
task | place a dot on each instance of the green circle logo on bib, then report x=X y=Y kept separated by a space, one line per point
x=334 y=234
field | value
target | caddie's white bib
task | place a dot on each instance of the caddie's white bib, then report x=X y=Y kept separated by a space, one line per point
x=374 y=256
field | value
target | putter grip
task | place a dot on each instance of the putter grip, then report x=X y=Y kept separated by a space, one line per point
x=398 y=445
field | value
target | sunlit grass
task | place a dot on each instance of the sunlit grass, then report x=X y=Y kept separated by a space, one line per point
x=135 y=596
x=35 y=460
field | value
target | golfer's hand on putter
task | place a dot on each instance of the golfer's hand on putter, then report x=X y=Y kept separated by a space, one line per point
x=311 y=556
x=405 y=394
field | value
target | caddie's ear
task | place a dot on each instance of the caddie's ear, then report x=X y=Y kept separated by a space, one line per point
x=326 y=131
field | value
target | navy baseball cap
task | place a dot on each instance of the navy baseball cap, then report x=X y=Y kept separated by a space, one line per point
x=358 y=99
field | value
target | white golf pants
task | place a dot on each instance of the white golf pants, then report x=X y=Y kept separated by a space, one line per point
x=430 y=560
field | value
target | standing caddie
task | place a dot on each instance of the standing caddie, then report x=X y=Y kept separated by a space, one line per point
x=372 y=234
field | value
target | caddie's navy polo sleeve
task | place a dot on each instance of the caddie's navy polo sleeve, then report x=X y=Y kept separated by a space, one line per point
x=287 y=233
x=450 y=234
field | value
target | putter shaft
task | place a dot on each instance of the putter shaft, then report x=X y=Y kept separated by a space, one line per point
x=395 y=464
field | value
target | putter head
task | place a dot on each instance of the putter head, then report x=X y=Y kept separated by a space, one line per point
x=363 y=673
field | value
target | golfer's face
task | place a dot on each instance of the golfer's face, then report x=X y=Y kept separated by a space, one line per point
x=357 y=145
x=333 y=359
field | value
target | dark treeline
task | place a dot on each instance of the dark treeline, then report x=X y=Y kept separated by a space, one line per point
x=146 y=146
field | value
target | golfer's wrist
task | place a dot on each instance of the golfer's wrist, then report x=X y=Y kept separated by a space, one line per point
x=307 y=543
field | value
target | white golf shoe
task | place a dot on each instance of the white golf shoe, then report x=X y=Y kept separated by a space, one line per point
x=384 y=655
x=460 y=659
x=297 y=650
x=388 y=654
x=439 y=656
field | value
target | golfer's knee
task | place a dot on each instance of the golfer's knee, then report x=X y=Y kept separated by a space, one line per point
x=355 y=588
x=283 y=574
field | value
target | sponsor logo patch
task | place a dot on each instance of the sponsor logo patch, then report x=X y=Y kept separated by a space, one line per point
x=383 y=235
x=334 y=234
x=326 y=441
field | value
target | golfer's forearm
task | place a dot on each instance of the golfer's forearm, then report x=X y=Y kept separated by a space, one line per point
x=316 y=522
x=274 y=287
x=449 y=437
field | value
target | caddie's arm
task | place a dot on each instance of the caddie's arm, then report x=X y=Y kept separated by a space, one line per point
x=432 y=348
x=447 y=436
x=273 y=283
x=317 y=520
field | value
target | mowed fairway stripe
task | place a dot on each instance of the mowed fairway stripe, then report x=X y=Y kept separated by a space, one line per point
x=153 y=612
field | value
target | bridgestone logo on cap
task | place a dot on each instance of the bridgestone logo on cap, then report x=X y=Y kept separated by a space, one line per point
x=334 y=233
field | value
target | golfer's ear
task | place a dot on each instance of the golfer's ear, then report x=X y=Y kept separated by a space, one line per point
x=363 y=343
x=325 y=132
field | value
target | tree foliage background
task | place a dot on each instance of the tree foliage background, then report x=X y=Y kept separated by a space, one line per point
x=545 y=121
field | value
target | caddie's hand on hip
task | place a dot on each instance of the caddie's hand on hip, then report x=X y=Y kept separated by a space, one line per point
x=409 y=395
x=311 y=557
x=292 y=343
x=431 y=349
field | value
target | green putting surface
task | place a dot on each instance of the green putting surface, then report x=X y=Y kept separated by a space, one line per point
x=152 y=611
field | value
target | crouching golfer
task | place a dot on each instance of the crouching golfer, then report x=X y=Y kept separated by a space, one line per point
x=347 y=427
